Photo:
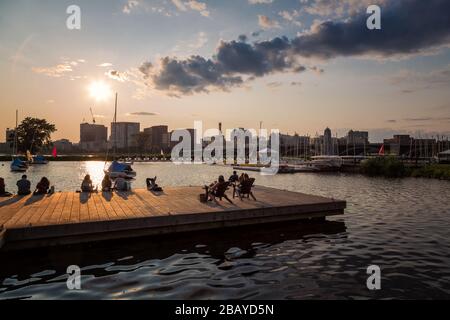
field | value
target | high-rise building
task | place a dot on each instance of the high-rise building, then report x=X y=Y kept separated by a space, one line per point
x=327 y=143
x=158 y=138
x=123 y=135
x=358 y=137
x=93 y=137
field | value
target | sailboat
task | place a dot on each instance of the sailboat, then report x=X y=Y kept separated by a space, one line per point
x=17 y=165
x=119 y=169
x=36 y=159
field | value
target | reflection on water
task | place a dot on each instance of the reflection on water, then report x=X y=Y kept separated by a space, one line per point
x=95 y=169
x=401 y=225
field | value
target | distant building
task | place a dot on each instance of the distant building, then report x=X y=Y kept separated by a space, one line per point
x=327 y=143
x=10 y=135
x=358 y=137
x=93 y=137
x=123 y=135
x=63 y=146
x=294 y=146
x=407 y=146
x=158 y=138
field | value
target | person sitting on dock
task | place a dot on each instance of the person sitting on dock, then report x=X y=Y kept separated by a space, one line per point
x=234 y=177
x=3 y=192
x=245 y=187
x=42 y=187
x=217 y=190
x=86 y=185
x=121 y=184
x=152 y=185
x=106 y=183
x=24 y=186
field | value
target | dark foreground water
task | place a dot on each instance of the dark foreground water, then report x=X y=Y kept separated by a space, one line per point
x=403 y=226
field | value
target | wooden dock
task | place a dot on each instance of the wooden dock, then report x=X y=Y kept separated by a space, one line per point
x=69 y=217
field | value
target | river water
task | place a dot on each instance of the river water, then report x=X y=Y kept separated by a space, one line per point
x=401 y=225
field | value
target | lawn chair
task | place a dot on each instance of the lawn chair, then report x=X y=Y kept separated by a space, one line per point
x=245 y=189
x=220 y=192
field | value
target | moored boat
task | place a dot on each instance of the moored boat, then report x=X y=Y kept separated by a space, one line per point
x=38 y=160
x=18 y=165
x=120 y=170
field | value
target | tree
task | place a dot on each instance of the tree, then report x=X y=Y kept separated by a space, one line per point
x=33 y=134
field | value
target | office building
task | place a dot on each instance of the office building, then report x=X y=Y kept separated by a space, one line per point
x=123 y=135
x=93 y=137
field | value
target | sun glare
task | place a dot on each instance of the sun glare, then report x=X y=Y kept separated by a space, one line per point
x=99 y=90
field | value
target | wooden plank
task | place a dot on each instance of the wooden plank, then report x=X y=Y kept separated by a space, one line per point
x=67 y=210
x=31 y=213
x=93 y=212
x=84 y=211
x=57 y=213
x=109 y=209
x=76 y=206
x=46 y=217
x=9 y=208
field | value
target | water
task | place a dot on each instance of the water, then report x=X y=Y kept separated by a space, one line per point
x=401 y=225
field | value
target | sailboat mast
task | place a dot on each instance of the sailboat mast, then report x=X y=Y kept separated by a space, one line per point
x=115 y=127
x=15 y=133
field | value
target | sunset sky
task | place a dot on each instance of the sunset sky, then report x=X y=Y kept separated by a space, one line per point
x=296 y=65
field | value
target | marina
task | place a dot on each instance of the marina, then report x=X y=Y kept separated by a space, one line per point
x=68 y=217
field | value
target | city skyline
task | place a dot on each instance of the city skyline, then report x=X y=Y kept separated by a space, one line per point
x=399 y=86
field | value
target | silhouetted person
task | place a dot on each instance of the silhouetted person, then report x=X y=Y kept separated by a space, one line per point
x=86 y=185
x=121 y=184
x=152 y=185
x=234 y=177
x=3 y=192
x=23 y=186
x=106 y=183
x=42 y=187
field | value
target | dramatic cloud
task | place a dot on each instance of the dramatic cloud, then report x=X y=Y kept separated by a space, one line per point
x=194 y=74
x=406 y=31
x=104 y=65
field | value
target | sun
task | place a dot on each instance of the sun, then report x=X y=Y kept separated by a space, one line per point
x=100 y=90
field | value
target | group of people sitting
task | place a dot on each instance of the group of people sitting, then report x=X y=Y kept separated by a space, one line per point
x=242 y=185
x=24 y=187
x=120 y=184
